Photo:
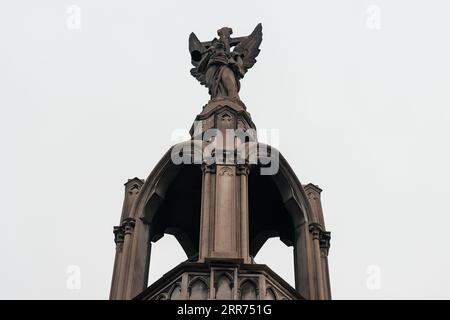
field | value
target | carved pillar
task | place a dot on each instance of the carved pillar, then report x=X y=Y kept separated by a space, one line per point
x=324 y=240
x=304 y=262
x=122 y=234
x=138 y=260
x=128 y=226
x=118 y=239
x=321 y=240
x=314 y=228
x=242 y=173
x=206 y=219
x=224 y=213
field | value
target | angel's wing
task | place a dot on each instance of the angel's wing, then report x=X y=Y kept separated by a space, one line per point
x=197 y=49
x=199 y=76
x=248 y=48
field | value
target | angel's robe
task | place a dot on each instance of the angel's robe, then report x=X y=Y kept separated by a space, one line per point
x=220 y=78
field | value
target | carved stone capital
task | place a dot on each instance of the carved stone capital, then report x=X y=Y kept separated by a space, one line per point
x=324 y=240
x=242 y=169
x=315 y=230
x=321 y=235
x=119 y=234
x=128 y=225
x=209 y=168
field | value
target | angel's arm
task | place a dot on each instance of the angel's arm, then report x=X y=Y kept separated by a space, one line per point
x=202 y=65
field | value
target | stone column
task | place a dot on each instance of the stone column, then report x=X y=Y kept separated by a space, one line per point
x=242 y=172
x=324 y=240
x=225 y=201
x=315 y=230
x=128 y=226
x=138 y=260
x=224 y=213
x=118 y=239
x=122 y=234
x=321 y=240
x=225 y=231
x=303 y=262
x=206 y=219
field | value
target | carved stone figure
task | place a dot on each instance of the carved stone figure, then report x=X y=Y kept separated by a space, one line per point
x=220 y=69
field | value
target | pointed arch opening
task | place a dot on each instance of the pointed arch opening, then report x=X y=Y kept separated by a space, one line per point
x=249 y=290
x=268 y=215
x=174 y=208
x=279 y=257
x=279 y=208
x=172 y=214
x=168 y=253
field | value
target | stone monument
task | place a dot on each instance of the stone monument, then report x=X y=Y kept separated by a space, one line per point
x=222 y=195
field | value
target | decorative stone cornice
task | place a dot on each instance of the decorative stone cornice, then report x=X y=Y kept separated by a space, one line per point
x=135 y=182
x=311 y=186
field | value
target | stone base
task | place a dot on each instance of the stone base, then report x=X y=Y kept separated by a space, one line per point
x=216 y=111
x=220 y=280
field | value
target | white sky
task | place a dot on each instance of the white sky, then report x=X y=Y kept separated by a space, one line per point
x=363 y=113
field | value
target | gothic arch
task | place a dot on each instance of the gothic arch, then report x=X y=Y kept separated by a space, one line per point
x=290 y=188
x=150 y=223
x=161 y=177
x=198 y=289
x=301 y=226
x=199 y=278
x=271 y=294
x=225 y=274
x=163 y=296
x=248 y=290
x=290 y=217
x=175 y=292
x=223 y=286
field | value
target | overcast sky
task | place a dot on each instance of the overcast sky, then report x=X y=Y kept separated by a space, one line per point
x=358 y=89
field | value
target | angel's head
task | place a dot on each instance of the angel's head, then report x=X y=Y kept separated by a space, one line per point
x=224 y=32
x=218 y=44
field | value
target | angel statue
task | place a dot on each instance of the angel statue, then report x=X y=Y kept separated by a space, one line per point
x=219 y=69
